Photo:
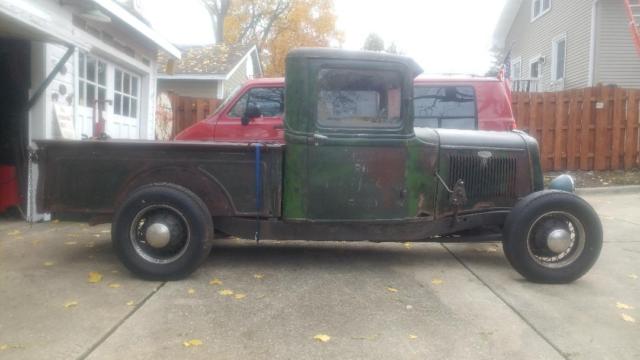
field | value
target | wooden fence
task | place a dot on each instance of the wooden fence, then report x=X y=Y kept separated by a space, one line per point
x=587 y=129
x=189 y=110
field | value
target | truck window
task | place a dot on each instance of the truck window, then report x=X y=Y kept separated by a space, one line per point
x=359 y=98
x=451 y=107
x=270 y=101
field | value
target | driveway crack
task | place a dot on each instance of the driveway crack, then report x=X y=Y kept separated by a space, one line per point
x=504 y=301
x=120 y=323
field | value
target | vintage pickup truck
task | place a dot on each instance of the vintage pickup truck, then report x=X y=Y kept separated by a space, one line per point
x=352 y=168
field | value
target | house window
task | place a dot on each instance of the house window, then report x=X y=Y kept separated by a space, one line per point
x=451 y=107
x=539 y=8
x=516 y=69
x=126 y=94
x=559 y=48
x=535 y=68
x=92 y=84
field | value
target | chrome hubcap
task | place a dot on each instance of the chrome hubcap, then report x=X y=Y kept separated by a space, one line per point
x=559 y=240
x=158 y=235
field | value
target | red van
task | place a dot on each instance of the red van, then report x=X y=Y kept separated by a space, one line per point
x=445 y=102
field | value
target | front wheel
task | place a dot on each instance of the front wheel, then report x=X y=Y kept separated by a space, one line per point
x=552 y=237
x=162 y=232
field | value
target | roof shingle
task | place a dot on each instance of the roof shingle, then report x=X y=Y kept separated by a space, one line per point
x=205 y=60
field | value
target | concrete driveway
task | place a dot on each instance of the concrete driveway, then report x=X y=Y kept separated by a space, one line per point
x=269 y=301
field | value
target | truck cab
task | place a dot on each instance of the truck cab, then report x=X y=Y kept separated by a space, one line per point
x=352 y=168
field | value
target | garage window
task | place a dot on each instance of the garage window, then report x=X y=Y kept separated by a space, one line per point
x=126 y=94
x=92 y=81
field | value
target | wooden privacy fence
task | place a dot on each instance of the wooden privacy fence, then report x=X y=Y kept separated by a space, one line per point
x=587 y=129
x=189 y=110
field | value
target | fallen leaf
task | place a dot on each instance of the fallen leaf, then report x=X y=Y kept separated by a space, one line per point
x=114 y=285
x=624 y=306
x=55 y=221
x=70 y=242
x=215 y=281
x=240 y=296
x=393 y=290
x=191 y=291
x=633 y=276
x=48 y=263
x=4 y=347
x=412 y=337
x=408 y=245
x=409 y=307
x=628 y=318
x=105 y=231
x=192 y=342
x=258 y=276
x=225 y=292
x=96 y=235
x=94 y=277
x=69 y=304
x=322 y=337
x=130 y=303
x=437 y=281
x=13 y=233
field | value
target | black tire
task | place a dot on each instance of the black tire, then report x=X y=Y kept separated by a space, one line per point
x=185 y=218
x=534 y=218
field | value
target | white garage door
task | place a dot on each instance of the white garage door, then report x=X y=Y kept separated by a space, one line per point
x=115 y=90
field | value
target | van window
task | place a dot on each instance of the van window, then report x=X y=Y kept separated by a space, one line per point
x=350 y=98
x=450 y=107
x=270 y=101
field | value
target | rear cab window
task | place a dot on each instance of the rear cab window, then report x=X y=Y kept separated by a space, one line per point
x=359 y=99
x=270 y=101
x=451 y=107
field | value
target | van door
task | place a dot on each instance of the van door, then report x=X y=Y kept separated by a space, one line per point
x=266 y=127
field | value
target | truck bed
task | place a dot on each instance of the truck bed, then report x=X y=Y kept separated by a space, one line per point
x=94 y=177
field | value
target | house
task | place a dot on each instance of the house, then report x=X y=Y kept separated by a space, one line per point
x=209 y=71
x=60 y=61
x=566 y=44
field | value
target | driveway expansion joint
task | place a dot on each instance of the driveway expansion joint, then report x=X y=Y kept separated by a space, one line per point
x=120 y=323
x=504 y=301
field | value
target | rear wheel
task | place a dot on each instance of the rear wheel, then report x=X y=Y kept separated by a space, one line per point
x=162 y=232
x=552 y=237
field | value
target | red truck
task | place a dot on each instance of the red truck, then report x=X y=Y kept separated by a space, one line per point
x=445 y=102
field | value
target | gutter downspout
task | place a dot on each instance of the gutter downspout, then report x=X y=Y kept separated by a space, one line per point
x=592 y=45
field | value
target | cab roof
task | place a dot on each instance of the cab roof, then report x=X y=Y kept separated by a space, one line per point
x=341 y=54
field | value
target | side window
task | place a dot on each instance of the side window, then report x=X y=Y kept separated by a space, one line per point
x=359 y=98
x=451 y=107
x=270 y=101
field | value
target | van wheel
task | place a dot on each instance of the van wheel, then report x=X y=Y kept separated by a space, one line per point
x=552 y=237
x=162 y=232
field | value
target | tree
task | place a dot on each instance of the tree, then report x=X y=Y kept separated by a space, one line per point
x=373 y=42
x=276 y=26
x=218 y=10
x=393 y=49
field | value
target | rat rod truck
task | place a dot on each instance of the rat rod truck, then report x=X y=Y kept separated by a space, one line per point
x=352 y=168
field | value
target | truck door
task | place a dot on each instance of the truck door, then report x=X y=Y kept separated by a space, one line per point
x=357 y=153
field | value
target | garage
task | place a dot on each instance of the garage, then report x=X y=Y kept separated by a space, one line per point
x=71 y=70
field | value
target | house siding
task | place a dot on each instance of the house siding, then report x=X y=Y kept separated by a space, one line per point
x=528 y=40
x=617 y=62
x=192 y=88
x=237 y=78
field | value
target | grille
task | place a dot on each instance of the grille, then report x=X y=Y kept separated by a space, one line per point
x=494 y=177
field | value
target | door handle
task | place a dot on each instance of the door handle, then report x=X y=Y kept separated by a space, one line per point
x=320 y=136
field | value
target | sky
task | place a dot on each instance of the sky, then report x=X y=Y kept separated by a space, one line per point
x=443 y=36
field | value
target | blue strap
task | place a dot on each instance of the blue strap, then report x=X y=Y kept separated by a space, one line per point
x=258 y=189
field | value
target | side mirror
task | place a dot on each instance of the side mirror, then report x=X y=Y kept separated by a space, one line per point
x=251 y=112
